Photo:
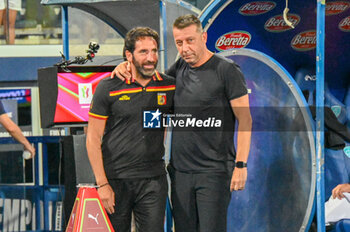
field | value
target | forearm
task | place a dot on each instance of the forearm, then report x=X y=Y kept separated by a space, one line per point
x=241 y=110
x=17 y=134
x=240 y=107
x=243 y=139
x=94 y=151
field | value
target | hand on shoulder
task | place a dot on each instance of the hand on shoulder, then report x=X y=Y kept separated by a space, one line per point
x=122 y=71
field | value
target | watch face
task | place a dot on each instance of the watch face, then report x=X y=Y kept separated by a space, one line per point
x=241 y=164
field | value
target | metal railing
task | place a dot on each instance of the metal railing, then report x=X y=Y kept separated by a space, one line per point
x=40 y=186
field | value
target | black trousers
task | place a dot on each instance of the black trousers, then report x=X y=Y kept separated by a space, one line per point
x=146 y=198
x=200 y=201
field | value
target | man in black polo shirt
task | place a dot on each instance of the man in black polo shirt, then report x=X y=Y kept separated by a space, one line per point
x=15 y=131
x=127 y=163
x=204 y=164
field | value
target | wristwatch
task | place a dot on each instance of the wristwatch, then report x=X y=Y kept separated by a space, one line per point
x=241 y=164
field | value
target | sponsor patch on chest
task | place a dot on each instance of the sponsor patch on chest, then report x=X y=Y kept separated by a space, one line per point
x=124 y=98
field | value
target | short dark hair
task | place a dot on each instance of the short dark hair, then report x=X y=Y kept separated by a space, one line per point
x=135 y=34
x=188 y=20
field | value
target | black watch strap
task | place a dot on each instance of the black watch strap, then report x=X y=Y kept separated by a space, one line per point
x=241 y=164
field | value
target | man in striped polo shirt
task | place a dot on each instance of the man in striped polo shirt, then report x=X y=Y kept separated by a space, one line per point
x=127 y=162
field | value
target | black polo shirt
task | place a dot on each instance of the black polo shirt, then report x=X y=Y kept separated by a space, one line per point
x=205 y=92
x=129 y=150
x=2 y=110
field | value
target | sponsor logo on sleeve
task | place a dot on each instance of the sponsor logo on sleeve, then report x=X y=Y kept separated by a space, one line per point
x=277 y=24
x=235 y=39
x=256 y=8
x=304 y=41
x=344 y=25
x=333 y=8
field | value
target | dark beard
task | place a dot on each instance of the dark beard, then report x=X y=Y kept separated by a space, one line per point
x=140 y=69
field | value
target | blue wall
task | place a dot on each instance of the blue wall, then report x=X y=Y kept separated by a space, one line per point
x=23 y=68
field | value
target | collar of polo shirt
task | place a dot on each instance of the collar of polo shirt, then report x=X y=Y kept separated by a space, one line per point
x=155 y=77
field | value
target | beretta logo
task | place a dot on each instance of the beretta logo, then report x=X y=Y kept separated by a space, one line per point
x=256 y=8
x=277 y=24
x=304 y=41
x=333 y=8
x=234 y=39
x=344 y=25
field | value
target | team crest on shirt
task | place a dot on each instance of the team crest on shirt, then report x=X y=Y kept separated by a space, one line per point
x=161 y=99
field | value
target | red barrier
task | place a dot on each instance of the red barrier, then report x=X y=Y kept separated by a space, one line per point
x=88 y=213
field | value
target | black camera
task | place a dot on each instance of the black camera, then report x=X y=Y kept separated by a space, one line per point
x=93 y=48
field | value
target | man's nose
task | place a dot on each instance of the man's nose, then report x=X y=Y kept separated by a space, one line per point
x=151 y=57
x=185 y=47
